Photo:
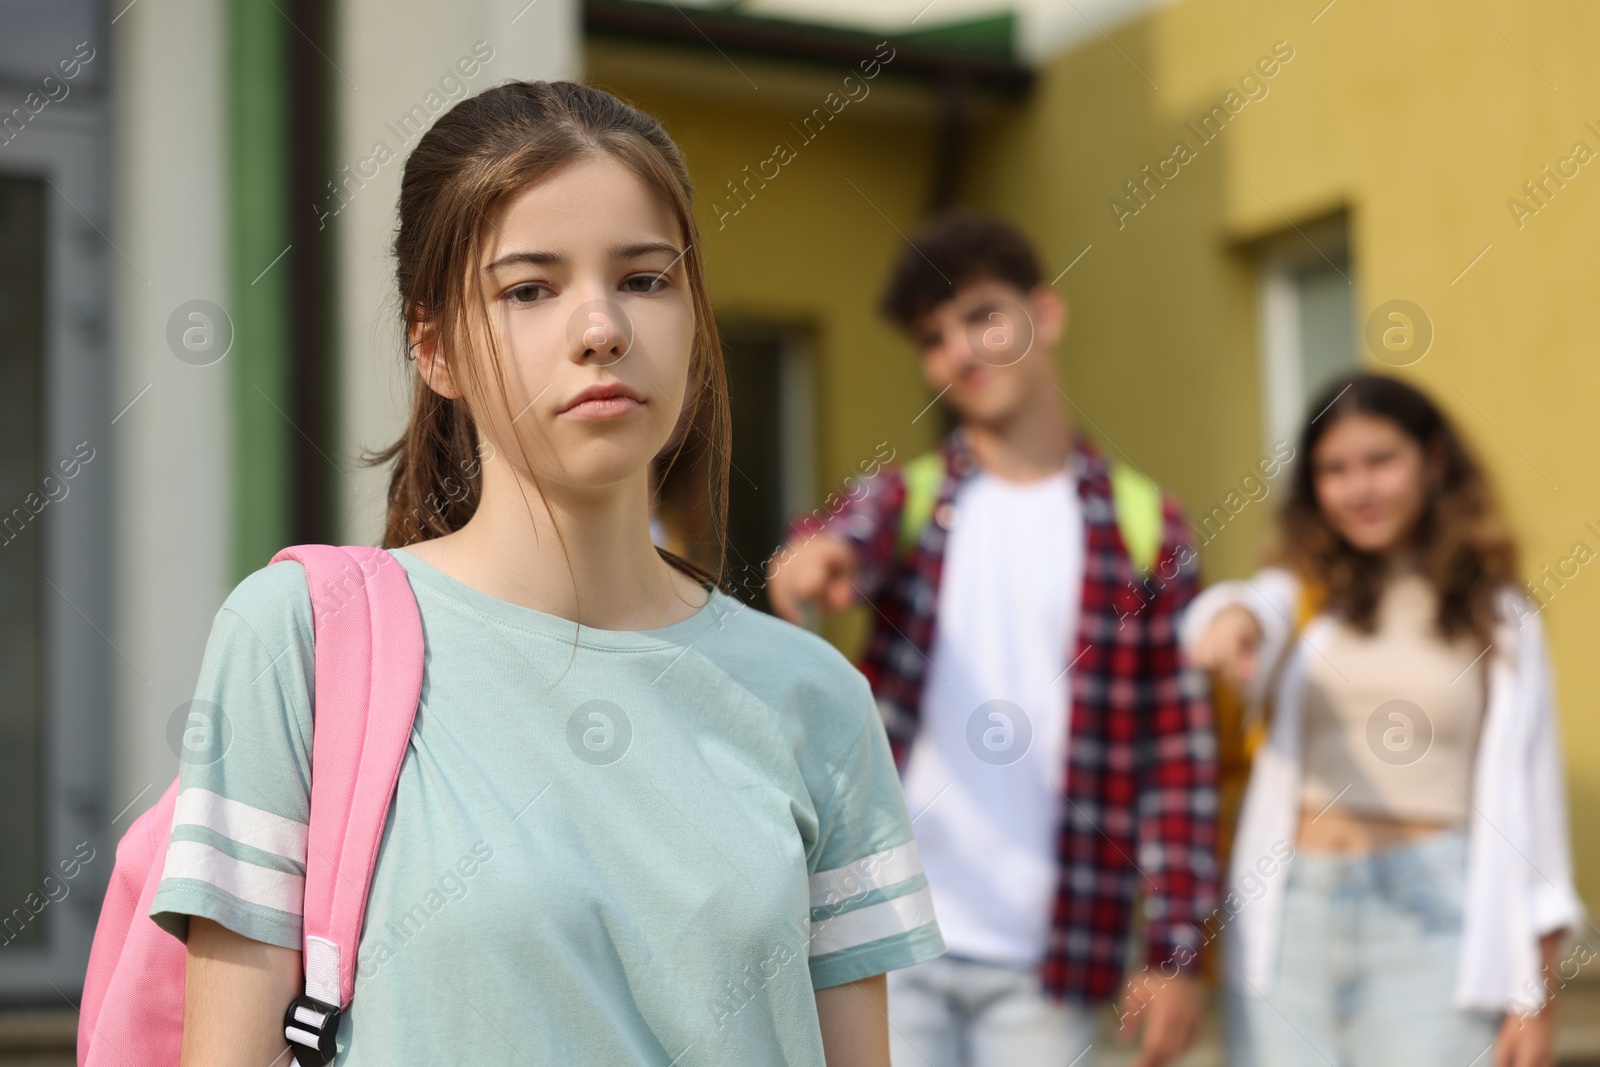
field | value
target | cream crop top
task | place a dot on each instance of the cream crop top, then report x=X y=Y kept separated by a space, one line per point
x=1391 y=718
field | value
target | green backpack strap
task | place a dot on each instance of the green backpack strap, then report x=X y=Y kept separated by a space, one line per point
x=1137 y=503
x=1135 y=499
x=922 y=477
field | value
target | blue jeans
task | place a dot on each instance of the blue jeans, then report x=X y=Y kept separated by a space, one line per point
x=956 y=1012
x=1367 y=966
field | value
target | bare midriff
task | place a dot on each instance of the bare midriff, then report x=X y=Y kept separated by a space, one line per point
x=1348 y=832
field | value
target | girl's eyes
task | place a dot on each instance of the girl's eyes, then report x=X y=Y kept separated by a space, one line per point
x=527 y=293
x=645 y=283
x=533 y=292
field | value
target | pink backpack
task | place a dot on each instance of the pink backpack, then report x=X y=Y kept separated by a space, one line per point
x=368 y=681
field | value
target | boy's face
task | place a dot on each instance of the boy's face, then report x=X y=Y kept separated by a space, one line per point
x=987 y=349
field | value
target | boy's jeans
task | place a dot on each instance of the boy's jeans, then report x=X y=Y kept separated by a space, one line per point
x=1367 y=966
x=956 y=1012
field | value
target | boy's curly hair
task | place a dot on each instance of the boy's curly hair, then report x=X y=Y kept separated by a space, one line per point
x=953 y=250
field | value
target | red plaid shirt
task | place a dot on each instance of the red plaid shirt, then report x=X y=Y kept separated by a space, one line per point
x=1141 y=770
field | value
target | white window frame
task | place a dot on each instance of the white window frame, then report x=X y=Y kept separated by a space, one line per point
x=1281 y=354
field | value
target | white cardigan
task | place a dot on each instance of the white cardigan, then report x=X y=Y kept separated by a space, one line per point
x=1519 y=864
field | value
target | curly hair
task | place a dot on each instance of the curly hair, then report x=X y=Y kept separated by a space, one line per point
x=1466 y=551
x=953 y=250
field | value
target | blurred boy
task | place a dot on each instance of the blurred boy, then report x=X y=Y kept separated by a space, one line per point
x=1056 y=754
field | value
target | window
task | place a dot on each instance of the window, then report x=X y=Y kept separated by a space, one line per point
x=1307 y=324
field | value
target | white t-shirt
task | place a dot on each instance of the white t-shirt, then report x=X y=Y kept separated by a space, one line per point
x=984 y=776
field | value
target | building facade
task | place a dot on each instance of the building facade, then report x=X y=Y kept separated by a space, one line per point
x=1238 y=198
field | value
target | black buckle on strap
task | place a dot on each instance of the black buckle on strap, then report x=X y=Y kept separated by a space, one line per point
x=310 y=1027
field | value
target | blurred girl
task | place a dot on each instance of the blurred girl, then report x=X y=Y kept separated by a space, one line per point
x=636 y=823
x=1401 y=864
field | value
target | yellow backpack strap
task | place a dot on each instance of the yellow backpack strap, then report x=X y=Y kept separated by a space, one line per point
x=1136 y=500
x=922 y=476
x=1313 y=598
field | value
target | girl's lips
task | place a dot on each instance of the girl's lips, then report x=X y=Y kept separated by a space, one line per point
x=603 y=408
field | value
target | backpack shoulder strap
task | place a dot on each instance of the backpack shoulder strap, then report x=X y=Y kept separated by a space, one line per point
x=922 y=476
x=1313 y=598
x=1136 y=501
x=369 y=657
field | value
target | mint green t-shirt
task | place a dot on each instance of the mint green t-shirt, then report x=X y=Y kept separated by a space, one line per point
x=605 y=847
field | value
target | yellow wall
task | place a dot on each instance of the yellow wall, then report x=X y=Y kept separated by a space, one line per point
x=1423 y=120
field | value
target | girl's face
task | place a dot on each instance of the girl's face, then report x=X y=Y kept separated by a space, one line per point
x=1371 y=481
x=587 y=294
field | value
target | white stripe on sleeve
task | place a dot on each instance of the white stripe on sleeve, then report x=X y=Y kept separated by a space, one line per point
x=877 y=871
x=872 y=923
x=281 y=890
x=240 y=822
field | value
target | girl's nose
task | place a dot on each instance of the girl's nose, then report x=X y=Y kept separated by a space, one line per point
x=600 y=330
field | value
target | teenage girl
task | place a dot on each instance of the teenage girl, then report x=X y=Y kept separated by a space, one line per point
x=637 y=823
x=1412 y=775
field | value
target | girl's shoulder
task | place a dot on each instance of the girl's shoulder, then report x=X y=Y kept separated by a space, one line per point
x=274 y=603
x=1521 y=619
x=800 y=672
x=1272 y=594
x=1279 y=583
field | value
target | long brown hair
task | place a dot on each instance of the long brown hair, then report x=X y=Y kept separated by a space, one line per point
x=1465 y=549
x=480 y=154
